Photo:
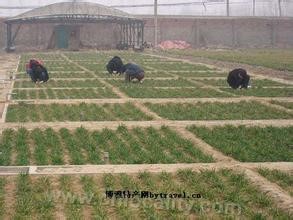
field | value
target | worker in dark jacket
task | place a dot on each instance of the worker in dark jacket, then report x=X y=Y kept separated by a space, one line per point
x=115 y=65
x=133 y=71
x=37 y=71
x=238 y=78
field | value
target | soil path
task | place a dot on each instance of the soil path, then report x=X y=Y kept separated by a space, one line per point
x=98 y=125
x=8 y=66
x=152 y=100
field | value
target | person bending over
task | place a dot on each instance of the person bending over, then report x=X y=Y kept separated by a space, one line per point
x=238 y=78
x=115 y=65
x=37 y=71
x=133 y=71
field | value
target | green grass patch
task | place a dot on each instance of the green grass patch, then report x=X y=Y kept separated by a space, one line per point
x=288 y=105
x=59 y=74
x=177 y=65
x=3 y=182
x=74 y=112
x=285 y=180
x=140 y=91
x=153 y=83
x=224 y=194
x=218 y=111
x=6 y=146
x=261 y=92
x=33 y=199
x=191 y=73
x=86 y=93
x=253 y=82
x=124 y=146
x=279 y=59
x=60 y=83
x=250 y=144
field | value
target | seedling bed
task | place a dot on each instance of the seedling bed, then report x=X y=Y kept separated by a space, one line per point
x=60 y=83
x=288 y=105
x=250 y=144
x=178 y=66
x=285 y=180
x=262 y=92
x=59 y=74
x=224 y=194
x=153 y=83
x=253 y=82
x=218 y=111
x=87 y=93
x=191 y=73
x=140 y=91
x=80 y=146
x=74 y=112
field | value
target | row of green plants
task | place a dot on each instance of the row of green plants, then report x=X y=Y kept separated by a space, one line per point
x=279 y=59
x=288 y=105
x=139 y=91
x=178 y=66
x=60 y=83
x=74 y=112
x=261 y=92
x=194 y=73
x=253 y=82
x=224 y=194
x=33 y=198
x=59 y=74
x=86 y=93
x=250 y=144
x=81 y=146
x=148 y=74
x=51 y=65
x=218 y=111
x=41 y=56
x=283 y=179
x=154 y=83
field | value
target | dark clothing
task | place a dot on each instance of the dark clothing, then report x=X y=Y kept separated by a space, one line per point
x=238 y=78
x=115 y=64
x=38 y=72
x=133 y=71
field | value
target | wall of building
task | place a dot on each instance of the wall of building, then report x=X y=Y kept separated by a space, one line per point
x=40 y=36
x=221 y=32
x=245 y=32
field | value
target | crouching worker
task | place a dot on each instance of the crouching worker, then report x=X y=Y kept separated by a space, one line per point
x=238 y=78
x=37 y=71
x=133 y=71
x=115 y=65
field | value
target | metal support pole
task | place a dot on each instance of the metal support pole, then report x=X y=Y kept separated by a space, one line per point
x=138 y=33
x=9 y=37
x=142 y=33
x=127 y=36
x=123 y=33
x=253 y=7
x=279 y=7
x=130 y=34
x=227 y=8
x=156 y=22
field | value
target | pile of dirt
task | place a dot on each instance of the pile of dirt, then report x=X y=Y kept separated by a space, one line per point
x=174 y=44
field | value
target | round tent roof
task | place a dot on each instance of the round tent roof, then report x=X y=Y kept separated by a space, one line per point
x=69 y=9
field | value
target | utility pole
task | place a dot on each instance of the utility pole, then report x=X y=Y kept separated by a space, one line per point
x=253 y=7
x=227 y=8
x=156 y=22
x=280 y=9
